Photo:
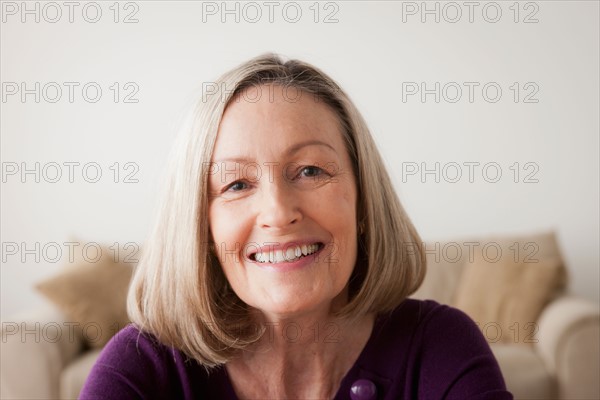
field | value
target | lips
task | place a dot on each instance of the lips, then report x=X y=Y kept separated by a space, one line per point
x=289 y=252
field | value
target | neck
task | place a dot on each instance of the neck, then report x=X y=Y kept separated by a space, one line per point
x=317 y=329
x=304 y=354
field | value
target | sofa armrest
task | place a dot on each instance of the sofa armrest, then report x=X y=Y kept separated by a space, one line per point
x=35 y=349
x=569 y=343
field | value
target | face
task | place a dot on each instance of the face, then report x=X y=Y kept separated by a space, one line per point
x=282 y=203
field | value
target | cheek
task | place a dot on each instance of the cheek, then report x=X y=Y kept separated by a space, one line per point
x=227 y=231
x=337 y=214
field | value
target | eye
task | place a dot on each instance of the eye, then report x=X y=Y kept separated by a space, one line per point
x=311 y=171
x=236 y=186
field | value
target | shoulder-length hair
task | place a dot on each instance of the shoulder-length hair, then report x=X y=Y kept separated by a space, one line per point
x=179 y=292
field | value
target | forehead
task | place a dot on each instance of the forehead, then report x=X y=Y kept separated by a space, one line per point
x=275 y=117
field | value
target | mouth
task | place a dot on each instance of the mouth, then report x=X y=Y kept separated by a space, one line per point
x=289 y=253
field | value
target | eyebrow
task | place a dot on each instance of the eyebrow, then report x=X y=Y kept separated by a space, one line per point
x=291 y=150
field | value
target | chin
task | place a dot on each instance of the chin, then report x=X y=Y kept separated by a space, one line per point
x=289 y=303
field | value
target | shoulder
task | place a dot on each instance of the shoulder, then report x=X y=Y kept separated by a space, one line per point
x=424 y=310
x=436 y=321
x=133 y=347
x=421 y=326
x=424 y=320
x=131 y=365
x=441 y=332
x=436 y=351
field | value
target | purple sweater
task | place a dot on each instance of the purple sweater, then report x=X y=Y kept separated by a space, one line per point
x=422 y=350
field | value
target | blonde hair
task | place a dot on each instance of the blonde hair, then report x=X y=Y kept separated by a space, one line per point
x=179 y=292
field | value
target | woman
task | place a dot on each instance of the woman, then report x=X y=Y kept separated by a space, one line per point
x=281 y=263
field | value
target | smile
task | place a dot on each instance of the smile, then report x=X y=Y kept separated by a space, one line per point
x=289 y=254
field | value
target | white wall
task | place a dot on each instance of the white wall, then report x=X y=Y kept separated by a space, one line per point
x=170 y=52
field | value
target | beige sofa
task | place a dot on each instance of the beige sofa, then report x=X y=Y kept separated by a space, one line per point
x=561 y=361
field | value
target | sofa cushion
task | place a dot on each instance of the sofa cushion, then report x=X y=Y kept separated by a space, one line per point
x=74 y=375
x=506 y=286
x=445 y=261
x=92 y=293
x=524 y=372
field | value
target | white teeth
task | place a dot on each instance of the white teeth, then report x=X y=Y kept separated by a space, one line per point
x=292 y=253
x=304 y=249
x=278 y=255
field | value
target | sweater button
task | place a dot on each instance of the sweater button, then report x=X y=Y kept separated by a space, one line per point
x=363 y=389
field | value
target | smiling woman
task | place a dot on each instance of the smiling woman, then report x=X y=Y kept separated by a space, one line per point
x=303 y=203
x=281 y=263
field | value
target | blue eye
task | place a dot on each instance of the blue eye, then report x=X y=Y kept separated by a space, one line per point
x=236 y=186
x=311 y=171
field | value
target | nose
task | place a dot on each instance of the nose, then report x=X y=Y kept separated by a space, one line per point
x=279 y=207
